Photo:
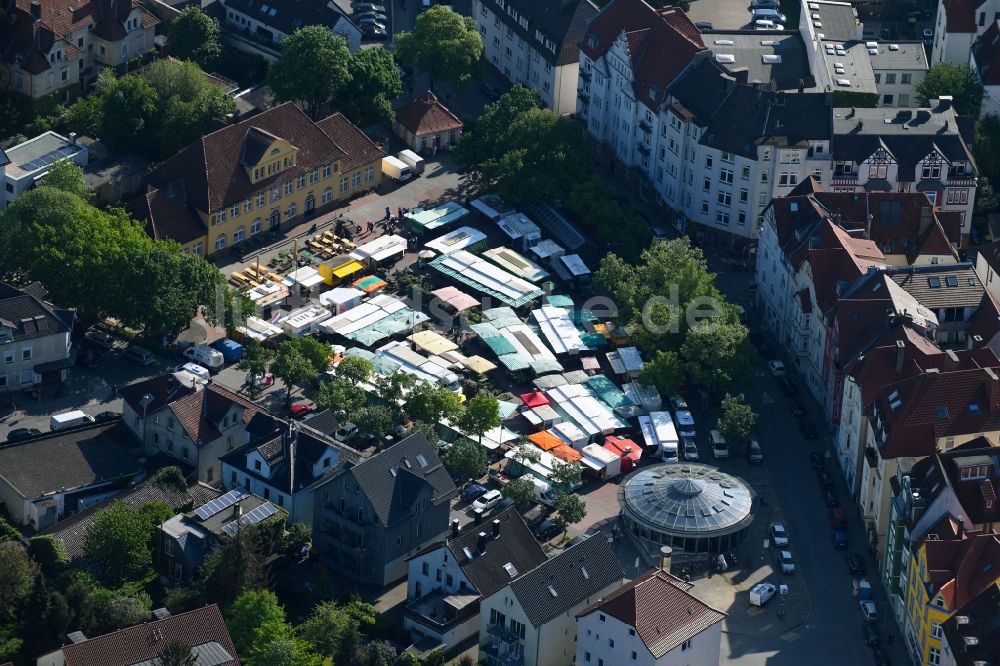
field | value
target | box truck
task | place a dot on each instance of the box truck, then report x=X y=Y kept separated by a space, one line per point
x=69 y=420
x=395 y=169
x=414 y=161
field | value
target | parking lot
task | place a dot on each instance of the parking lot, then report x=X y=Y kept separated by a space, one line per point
x=722 y=14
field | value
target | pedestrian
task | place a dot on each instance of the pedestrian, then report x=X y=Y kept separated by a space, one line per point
x=371 y=227
x=388 y=213
x=400 y=218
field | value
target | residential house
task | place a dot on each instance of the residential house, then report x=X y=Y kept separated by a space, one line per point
x=203 y=630
x=536 y=44
x=427 y=124
x=984 y=58
x=898 y=71
x=972 y=635
x=113 y=177
x=72 y=531
x=949 y=572
x=183 y=542
x=987 y=267
x=938 y=494
x=957 y=25
x=263 y=26
x=285 y=463
x=268 y=172
x=655 y=620
x=446 y=581
x=59 y=473
x=194 y=425
x=369 y=519
x=29 y=162
x=532 y=620
x=906 y=150
x=57 y=47
x=34 y=339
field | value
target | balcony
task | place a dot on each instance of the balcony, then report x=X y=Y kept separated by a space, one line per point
x=351 y=522
x=503 y=633
x=585 y=74
x=645 y=127
x=643 y=149
x=441 y=611
x=584 y=97
x=502 y=655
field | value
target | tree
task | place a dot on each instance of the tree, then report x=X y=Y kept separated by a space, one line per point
x=959 y=81
x=986 y=149
x=527 y=453
x=571 y=508
x=237 y=308
x=737 y=420
x=325 y=628
x=176 y=653
x=233 y=569
x=522 y=491
x=251 y=611
x=354 y=369
x=466 y=459
x=17 y=575
x=718 y=354
x=49 y=553
x=664 y=371
x=44 y=618
x=433 y=403
x=313 y=69
x=375 y=85
x=621 y=228
x=444 y=44
x=117 y=544
x=194 y=35
x=256 y=358
x=67 y=176
x=566 y=477
x=296 y=537
x=377 y=421
x=391 y=387
x=482 y=414
x=341 y=396
x=283 y=650
x=291 y=366
x=128 y=110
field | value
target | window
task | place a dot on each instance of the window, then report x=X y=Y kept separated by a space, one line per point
x=343 y=184
x=611 y=643
x=936 y=630
x=887 y=99
x=686 y=645
x=26 y=353
x=8 y=356
x=257 y=465
x=255 y=226
x=301 y=182
x=275 y=194
x=602 y=618
x=293 y=210
x=184 y=452
x=631 y=632
x=261 y=200
x=125 y=50
x=726 y=175
x=744 y=195
x=933 y=656
x=707 y=184
x=878 y=171
x=327 y=195
x=327 y=170
x=843 y=168
x=586 y=657
x=634 y=655
x=288 y=187
x=356 y=179
x=27 y=377
x=239 y=234
x=905 y=78
x=708 y=161
x=221 y=216
x=369 y=174
x=728 y=158
x=425 y=568
x=745 y=173
x=788 y=179
x=704 y=207
x=722 y=218
x=890 y=78
x=725 y=198
x=220 y=242
x=931 y=171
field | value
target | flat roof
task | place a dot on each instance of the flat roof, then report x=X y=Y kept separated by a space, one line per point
x=906 y=55
x=459 y=239
x=777 y=58
x=306 y=316
x=848 y=66
x=486 y=277
x=593 y=416
x=516 y=263
x=39 y=153
x=833 y=20
x=557 y=327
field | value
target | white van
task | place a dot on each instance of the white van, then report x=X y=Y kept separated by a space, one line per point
x=543 y=492
x=720 y=447
x=206 y=357
x=69 y=420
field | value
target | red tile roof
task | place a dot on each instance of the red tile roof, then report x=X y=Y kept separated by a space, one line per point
x=200 y=412
x=661 y=42
x=959 y=570
x=661 y=609
x=144 y=642
x=359 y=148
x=960 y=15
x=986 y=52
x=427 y=115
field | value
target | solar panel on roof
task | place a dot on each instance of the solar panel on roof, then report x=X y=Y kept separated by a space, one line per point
x=209 y=509
x=262 y=512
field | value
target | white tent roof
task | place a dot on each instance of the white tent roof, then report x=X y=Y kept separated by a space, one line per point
x=456 y=240
x=381 y=248
x=307 y=276
x=340 y=296
x=558 y=329
x=592 y=415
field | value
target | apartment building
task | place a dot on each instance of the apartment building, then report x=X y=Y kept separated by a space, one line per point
x=536 y=44
x=34 y=339
x=266 y=24
x=56 y=47
x=957 y=26
x=984 y=58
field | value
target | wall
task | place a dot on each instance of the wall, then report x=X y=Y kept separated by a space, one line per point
x=559 y=633
x=437 y=560
x=990 y=278
x=593 y=636
x=44 y=349
x=903 y=89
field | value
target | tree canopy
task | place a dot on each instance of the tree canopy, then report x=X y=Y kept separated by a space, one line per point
x=737 y=420
x=571 y=508
x=959 y=81
x=339 y=395
x=433 y=403
x=466 y=459
x=67 y=176
x=194 y=35
x=522 y=491
x=481 y=414
x=375 y=85
x=313 y=69
x=117 y=544
x=444 y=44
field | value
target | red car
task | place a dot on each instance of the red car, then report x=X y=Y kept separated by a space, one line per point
x=301 y=408
x=796 y=408
x=837 y=518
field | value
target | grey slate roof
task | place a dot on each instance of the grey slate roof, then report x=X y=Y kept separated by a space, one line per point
x=388 y=489
x=29 y=316
x=515 y=546
x=575 y=575
x=289 y=15
x=562 y=21
x=958 y=285
x=748 y=50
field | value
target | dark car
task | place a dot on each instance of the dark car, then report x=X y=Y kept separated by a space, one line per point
x=856 y=564
x=503 y=504
x=492 y=92
x=796 y=408
x=807 y=429
x=548 y=529
x=786 y=385
x=824 y=479
x=830 y=498
x=870 y=632
x=817 y=460
x=104 y=417
x=473 y=492
x=881 y=656
x=703 y=25
x=21 y=434
x=838 y=539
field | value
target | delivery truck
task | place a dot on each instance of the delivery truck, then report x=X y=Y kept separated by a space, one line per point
x=395 y=168
x=414 y=161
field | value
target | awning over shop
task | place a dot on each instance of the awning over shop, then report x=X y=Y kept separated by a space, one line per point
x=456 y=299
x=534 y=399
x=432 y=342
x=349 y=268
x=545 y=440
x=370 y=283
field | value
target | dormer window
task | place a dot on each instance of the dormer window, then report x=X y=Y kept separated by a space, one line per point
x=592 y=40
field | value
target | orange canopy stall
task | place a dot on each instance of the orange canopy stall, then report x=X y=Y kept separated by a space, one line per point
x=545 y=440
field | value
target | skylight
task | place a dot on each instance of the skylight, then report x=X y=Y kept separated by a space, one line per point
x=723 y=42
x=421 y=460
x=974 y=409
x=510 y=569
x=771 y=59
x=844 y=82
x=725 y=57
x=934 y=282
x=583 y=570
x=468 y=553
x=552 y=591
x=942 y=412
x=952 y=281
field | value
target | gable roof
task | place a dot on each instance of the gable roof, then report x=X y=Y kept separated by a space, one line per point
x=390 y=479
x=515 y=546
x=662 y=610
x=163 y=390
x=70 y=459
x=960 y=15
x=287 y=16
x=427 y=115
x=959 y=570
x=567 y=580
x=29 y=317
x=561 y=22
x=973 y=632
x=200 y=412
x=358 y=148
x=203 y=629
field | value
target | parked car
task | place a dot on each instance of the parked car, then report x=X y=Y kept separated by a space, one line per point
x=104 y=417
x=787 y=563
x=837 y=518
x=487 y=501
x=787 y=386
x=685 y=423
x=778 y=534
x=21 y=434
x=824 y=479
x=868 y=610
x=870 y=632
x=880 y=656
x=761 y=593
x=763 y=24
x=547 y=530
x=817 y=459
x=503 y=504
x=374 y=32
x=703 y=25
x=838 y=539
x=769 y=14
x=796 y=408
x=474 y=492
x=369 y=22
x=100 y=338
x=194 y=369
x=301 y=408
x=720 y=447
x=679 y=403
x=139 y=355
x=764 y=4
x=755 y=454
x=369 y=17
x=777 y=368
x=368 y=7
x=690 y=449
x=856 y=564
x=830 y=498
x=807 y=428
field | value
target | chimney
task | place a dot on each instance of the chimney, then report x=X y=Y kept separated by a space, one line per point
x=952 y=355
x=944 y=101
x=479 y=516
x=861 y=125
x=481 y=544
x=900 y=356
x=993 y=390
x=72 y=138
x=496 y=528
x=454 y=528
x=666 y=554
x=237 y=510
x=36 y=10
x=961 y=528
x=741 y=74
